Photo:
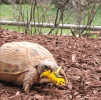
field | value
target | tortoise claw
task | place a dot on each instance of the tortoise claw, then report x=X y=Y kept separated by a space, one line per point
x=26 y=89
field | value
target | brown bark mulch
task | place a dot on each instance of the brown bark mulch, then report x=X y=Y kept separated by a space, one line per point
x=79 y=57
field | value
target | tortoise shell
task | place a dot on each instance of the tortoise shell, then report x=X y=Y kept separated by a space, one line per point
x=17 y=57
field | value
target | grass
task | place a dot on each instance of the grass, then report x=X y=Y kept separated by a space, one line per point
x=7 y=14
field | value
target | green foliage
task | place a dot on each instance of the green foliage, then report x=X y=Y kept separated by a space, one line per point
x=42 y=15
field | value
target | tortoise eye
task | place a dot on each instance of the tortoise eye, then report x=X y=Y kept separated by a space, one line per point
x=46 y=67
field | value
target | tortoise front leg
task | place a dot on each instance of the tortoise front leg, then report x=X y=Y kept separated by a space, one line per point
x=27 y=79
x=31 y=76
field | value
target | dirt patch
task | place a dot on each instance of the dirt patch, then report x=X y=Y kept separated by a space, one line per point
x=80 y=59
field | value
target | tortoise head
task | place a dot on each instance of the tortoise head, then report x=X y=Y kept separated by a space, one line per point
x=49 y=65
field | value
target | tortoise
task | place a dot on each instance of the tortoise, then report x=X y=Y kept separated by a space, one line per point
x=23 y=62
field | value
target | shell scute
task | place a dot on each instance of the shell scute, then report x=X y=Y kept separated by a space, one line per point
x=33 y=52
x=5 y=69
x=15 y=69
x=24 y=66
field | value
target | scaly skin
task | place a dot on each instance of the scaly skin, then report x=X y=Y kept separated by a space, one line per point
x=30 y=78
x=27 y=79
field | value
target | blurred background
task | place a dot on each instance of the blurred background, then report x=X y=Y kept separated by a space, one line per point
x=55 y=17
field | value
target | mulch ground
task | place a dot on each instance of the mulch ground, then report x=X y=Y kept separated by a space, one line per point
x=80 y=58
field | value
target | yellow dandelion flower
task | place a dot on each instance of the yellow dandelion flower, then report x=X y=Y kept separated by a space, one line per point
x=53 y=77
